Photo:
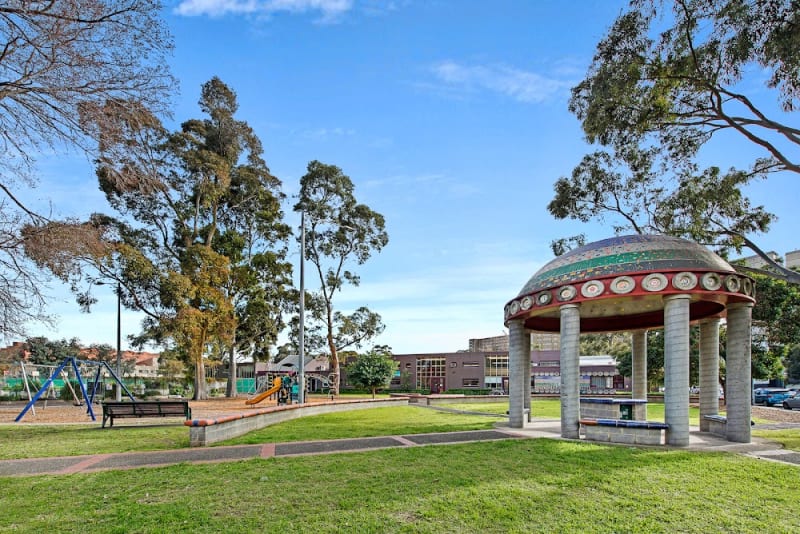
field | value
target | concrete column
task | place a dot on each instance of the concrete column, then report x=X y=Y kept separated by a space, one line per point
x=676 y=369
x=526 y=371
x=738 y=372
x=570 y=371
x=639 y=364
x=519 y=351
x=709 y=370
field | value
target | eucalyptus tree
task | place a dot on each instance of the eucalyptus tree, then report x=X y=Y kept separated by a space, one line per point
x=260 y=282
x=339 y=232
x=200 y=230
x=668 y=79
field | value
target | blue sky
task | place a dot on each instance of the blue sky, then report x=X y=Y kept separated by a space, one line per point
x=449 y=116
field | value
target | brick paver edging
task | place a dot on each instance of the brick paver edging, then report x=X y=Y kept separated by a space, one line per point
x=204 y=432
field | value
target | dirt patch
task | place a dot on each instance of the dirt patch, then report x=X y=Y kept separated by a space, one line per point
x=778 y=415
x=64 y=412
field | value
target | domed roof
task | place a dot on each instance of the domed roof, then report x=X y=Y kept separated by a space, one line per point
x=629 y=275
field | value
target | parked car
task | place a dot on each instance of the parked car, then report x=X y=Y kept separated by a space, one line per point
x=771 y=396
x=793 y=402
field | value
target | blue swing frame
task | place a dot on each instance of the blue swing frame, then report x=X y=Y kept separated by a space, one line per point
x=87 y=398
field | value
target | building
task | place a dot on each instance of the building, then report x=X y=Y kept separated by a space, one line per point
x=543 y=341
x=791 y=260
x=489 y=370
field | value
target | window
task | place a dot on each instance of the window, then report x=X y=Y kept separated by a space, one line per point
x=470 y=383
x=428 y=368
x=496 y=365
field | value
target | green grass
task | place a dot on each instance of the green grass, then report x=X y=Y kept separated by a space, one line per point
x=790 y=439
x=396 y=420
x=506 y=486
x=28 y=441
x=37 y=441
x=551 y=408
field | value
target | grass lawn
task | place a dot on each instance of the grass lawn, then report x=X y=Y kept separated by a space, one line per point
x=790 y=439
x=506 y=486
x=551 y=408
x=365 y=423
x=29 y=441
x=26 y=441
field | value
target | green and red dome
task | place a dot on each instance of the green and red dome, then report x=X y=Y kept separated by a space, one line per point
x=620 y=284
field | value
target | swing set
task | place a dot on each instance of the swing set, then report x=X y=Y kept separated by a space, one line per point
x=87 y=395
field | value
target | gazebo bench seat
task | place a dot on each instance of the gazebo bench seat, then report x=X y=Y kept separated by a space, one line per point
x=624 y=431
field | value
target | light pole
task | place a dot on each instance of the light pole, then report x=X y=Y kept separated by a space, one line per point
x=119 y=341
x=118 y=367
x=301 y=372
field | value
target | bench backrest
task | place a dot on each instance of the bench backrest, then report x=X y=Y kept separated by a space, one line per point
x=146 y=408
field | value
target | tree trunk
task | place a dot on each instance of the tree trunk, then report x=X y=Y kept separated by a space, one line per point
x=200 y=391
x=334 y=359
x=232 y=390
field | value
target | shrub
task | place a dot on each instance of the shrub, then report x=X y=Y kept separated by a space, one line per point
x=469 y=391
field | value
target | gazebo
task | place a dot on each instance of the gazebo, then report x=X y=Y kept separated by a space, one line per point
x=635 y=283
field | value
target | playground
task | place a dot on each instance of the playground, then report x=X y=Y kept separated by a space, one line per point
x=75 y=390
x=65 y=412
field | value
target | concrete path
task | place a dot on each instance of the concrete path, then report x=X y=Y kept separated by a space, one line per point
x=98 y=462
x=62 y=465
x=698 y=441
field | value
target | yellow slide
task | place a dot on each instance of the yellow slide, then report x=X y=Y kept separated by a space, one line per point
x=261 y=396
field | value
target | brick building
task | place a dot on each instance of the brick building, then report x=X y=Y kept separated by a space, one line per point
x=439 y=372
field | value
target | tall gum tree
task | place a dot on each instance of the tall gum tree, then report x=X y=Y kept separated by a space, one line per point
x=339 y=231
x=200 y=229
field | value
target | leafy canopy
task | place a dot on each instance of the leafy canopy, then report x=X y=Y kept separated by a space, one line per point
x=668 y=79
x=372 y=370
x=200 y=245
x=339 y=232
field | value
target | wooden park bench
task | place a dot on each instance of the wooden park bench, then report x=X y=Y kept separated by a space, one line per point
x=158 y=408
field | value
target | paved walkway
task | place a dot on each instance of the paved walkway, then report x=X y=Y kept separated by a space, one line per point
x=129 y=460
x=759 y=448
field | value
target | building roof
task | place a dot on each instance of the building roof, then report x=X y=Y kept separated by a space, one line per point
x=620 y=283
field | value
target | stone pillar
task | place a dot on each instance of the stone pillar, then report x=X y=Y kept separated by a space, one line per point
x=738 y=372
x=526 y=371
x=709 y=370
x=639 y=364
x=676 y=369
x=519 y=350
x=570 y=371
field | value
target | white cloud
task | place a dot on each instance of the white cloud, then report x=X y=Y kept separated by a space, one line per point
x=326 y=133
x=441 y=182
x=520 y=85
x=330 y=10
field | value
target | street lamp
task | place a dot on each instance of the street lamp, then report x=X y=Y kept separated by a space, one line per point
x=301 y=374
x=119 y=341
x=118 y=369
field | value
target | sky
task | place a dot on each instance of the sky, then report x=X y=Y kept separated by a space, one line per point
x=449 y=116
